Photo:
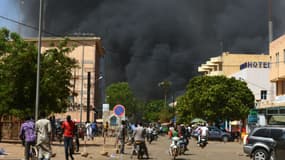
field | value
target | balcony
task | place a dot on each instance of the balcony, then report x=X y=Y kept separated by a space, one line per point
x=216 y=73
x=216 y=59
x=201 y=69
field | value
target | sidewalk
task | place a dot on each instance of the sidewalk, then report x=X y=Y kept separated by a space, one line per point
x=95 y=148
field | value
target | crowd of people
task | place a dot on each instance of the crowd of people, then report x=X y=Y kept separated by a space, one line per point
x=42 y=132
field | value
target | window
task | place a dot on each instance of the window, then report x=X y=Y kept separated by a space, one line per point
x=263 y=94
x=277 y=58
x=283 y=55
x=261 y=133
x=88 y=61
x=276 y=133
x=283 y=87
x=283 y=136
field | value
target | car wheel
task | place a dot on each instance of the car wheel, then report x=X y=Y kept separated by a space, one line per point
x=225 y=138
x=260 y=154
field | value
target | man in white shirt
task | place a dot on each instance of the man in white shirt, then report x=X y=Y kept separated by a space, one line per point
x=43 y=129
x=203 y=132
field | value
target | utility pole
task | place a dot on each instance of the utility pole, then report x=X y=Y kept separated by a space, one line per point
x=88 y=97
x=82 y=79
x=39 y=60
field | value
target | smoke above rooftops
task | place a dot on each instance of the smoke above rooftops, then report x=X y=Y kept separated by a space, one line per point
x=148 y=41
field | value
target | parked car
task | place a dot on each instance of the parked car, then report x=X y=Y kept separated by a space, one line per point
x=266 y=143
x=215 y=133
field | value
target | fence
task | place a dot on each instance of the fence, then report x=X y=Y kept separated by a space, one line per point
x=9 y=128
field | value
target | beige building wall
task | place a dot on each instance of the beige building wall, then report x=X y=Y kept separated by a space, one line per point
x=92 y=50
x=229 y=63
x=277 y=59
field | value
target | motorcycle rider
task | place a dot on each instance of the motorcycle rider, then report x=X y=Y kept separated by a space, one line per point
x=149 y=131
x=203 y=132
x=139 y=137
x=183 y=135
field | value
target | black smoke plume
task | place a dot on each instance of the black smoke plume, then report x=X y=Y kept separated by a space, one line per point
x=148 y=41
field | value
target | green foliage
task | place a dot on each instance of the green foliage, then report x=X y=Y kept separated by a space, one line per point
x=18 y=65
x=182 y=104
x=152 y=110
x=120 y=93
x=215 y=97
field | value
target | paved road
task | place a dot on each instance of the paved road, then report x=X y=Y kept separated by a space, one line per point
x=158 y=151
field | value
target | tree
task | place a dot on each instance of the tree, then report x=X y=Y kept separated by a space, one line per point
x=182 y=104
x=216 y=97
x=18 y=65
x=152 y=110
x=120 y=93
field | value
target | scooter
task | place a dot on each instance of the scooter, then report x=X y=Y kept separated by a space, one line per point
x=139 y=149
x=203 y=142
x=150 y=137
x=174 y=149
x=155 y=134
x=182 y=144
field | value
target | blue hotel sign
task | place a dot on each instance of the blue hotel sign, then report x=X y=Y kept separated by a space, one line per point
x=255 y=65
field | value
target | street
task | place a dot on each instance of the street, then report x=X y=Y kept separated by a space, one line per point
x=158 y=150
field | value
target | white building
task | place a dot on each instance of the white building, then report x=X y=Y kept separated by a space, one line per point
x=257 y=79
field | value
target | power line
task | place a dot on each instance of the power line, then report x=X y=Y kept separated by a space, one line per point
x=45 y=31
x=86 y=34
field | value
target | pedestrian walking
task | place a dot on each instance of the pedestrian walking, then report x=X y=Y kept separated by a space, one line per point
x=28 y=135
x=43 y=130
x=94 y=128
x=122 y=136
x=76 y=136
x=88 y=130
x=68 y=127
x=105 y=129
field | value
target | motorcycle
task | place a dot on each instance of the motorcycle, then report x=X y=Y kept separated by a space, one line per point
x=203 y=142
x=182 y=144
x=177 y=147
x=59 y=134
x=155 y=134
x=139 y=149
x=150 y=137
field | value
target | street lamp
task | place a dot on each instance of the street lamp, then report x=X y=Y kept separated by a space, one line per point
x=96 y=111
x=39 y=60
x=165 y=86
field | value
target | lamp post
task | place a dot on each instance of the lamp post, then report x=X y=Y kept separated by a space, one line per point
x=21 y=3
x=165 y=86
x=96 y=111
x=82 y=79
x=39 y=60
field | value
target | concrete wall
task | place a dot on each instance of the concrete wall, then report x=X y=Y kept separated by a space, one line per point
x=257 y=79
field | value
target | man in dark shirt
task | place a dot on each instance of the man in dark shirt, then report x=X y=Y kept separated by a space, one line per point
x=122 y=136
x=28 y=135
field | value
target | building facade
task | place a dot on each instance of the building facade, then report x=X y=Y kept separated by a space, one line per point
x=229 y=63
x=257 y=80
x=87 y=51
x=277 y=75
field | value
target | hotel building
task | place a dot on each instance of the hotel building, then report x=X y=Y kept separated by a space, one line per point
x=229 y=63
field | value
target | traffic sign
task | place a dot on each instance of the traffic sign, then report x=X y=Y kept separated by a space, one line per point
x=251 y=119
x=253 y=112
x=119 y=110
